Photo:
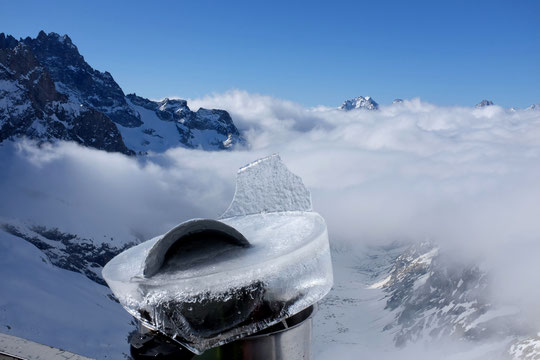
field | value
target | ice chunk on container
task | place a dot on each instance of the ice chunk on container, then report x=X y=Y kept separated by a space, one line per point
x=208 y=282
x=266 y=185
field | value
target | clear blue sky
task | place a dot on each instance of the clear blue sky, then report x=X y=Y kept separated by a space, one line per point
x=311 y=52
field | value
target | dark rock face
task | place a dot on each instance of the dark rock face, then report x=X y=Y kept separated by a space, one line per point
x=30 y=106
x=75 y=78
x=99 y=132
x=7 y=42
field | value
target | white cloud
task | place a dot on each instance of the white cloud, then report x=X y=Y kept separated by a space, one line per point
x=464 y=177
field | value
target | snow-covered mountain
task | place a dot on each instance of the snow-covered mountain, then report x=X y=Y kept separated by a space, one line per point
x=388 y=299
x=65 y=250
x=484 y=103
x=361 y=102
x=31 y=106
x=48 y=92
x=53 y=306
x=166 y=123
x=82 y=84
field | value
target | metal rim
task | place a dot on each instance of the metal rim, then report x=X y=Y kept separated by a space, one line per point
x=304 y=315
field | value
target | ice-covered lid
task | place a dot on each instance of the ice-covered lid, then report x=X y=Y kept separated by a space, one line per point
x=208 y=282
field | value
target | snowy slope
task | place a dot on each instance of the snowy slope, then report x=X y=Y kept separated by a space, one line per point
x=153 y=135
x=65 y=250
x=170 y=123
x=401 y=301
x=52 y=306
x=389 y=302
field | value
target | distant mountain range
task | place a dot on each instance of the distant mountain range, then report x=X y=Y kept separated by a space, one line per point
x=49 y=92
x=367 y=103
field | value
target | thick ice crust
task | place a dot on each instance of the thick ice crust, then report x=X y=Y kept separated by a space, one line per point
x=286 y=269
x=266 y=185
x=208 y=282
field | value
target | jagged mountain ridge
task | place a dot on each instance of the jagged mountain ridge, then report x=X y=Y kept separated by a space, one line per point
x=87 y=106
x=79 y=81
x=31 y=106
x=360 y=102
x=168 y=121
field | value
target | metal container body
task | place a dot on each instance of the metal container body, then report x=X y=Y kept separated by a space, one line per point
x=292 y=342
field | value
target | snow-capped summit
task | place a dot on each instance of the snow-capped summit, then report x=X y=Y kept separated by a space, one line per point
x=397 y=101
x=534 y=107
x=361 y=102
x=51 y=93
x=484 y=103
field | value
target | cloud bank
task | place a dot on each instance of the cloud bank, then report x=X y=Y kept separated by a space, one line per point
x=466 y=178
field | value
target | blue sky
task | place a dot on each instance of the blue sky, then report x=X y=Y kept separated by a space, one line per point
x=445 y=52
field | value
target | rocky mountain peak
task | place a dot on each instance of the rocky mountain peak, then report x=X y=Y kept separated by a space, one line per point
x=173 y=106
x=32 y=107
x=360 y=102
x=484 y=103
x=53 y=42
x=74 y=77
x=7 y=41
x=50 y=92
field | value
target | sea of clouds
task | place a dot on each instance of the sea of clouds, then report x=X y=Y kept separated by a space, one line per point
x=465 y=178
